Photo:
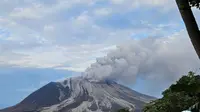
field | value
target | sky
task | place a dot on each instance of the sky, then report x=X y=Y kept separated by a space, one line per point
x=49 y=40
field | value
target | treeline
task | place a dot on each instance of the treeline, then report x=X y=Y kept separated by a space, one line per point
x=183 y=95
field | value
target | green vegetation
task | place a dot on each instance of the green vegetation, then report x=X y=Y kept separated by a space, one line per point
x=123 y=110
x=195 y=3
x=179 y=96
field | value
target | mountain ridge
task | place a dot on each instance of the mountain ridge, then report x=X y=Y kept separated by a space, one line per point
x=79 y=94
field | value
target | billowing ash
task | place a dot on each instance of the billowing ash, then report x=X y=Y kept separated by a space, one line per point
x=150 y=58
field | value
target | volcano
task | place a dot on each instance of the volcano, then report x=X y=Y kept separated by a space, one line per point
x=79 y=94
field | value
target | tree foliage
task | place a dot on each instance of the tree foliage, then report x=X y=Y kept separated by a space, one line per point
x=194 y=3
x=123 y=110
x=177 y=97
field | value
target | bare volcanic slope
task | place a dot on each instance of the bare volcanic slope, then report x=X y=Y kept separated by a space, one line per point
x=79 y=94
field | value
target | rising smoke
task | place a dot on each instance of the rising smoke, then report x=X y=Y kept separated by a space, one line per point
x=164 y=59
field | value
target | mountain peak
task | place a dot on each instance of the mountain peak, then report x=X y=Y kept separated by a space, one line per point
x=80 y=94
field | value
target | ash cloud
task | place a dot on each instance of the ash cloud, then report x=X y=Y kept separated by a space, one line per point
x=155 y=59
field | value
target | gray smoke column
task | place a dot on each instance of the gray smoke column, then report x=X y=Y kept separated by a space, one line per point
x=164 y=59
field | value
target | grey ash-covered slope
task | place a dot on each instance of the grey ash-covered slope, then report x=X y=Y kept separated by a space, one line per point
x=81 y=95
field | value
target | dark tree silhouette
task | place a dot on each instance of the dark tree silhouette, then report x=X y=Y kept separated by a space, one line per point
x=182 y=95
x=184 y=7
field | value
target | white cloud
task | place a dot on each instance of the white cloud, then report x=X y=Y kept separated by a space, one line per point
x=76 y=69
x=117 y=1
x=36 y=9
x=25 y=13
x=155 y=2
x=103 y=11
x=74 y=58
x=67 y=34
x=48 y=28
x=142 y=2
x=163 y=5
x=82 y=19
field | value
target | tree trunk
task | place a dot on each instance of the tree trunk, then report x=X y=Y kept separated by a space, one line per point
x=190 y=23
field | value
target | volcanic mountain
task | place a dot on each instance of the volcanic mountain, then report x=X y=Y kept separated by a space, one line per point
x=79 y=94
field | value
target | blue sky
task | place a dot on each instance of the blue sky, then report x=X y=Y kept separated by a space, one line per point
x=47 y=40
x=17 y=83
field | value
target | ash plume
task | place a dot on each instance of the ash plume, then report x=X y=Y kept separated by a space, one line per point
x=163 y=59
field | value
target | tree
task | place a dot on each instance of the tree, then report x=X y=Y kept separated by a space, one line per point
x=179 y=96
x=184 y=7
